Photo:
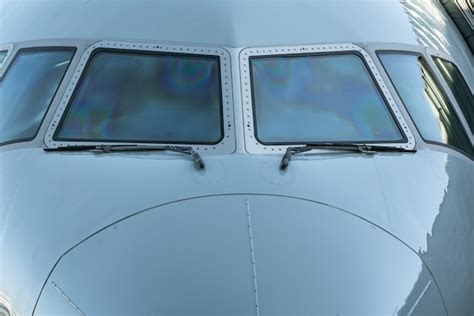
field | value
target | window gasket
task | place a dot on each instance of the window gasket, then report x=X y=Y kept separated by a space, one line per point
x=73 y=51
x=252 y=144
x=226 y=144
x=443 y=90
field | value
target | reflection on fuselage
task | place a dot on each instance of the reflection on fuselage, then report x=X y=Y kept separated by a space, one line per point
x=433 y=217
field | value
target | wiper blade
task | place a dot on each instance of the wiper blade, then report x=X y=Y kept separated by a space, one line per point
x=187 y=150
x=362 y=148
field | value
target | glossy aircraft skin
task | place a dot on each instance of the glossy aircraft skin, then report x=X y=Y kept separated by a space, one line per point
x=142 y=233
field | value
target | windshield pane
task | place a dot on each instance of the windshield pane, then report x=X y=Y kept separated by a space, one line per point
x=428 y=106
x=321 y=98
x=146 y=97
x=459 y=88
x=27 y=90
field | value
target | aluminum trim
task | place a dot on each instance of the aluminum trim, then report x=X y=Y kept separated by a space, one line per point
x=430 y=55
x=436 y=53
x=9 y=48
x=253 y=146
x=466 y=11
x=227 y=144
x=426 y=54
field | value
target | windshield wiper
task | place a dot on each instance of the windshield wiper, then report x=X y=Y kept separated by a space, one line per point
x=362 y=148
x=187 y=150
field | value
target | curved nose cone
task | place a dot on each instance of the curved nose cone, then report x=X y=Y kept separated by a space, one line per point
x=241 y=255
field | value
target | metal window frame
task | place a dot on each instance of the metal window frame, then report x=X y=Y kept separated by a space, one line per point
x=374 y=49
x=421 y=52
x=463 y=6
x=8 y=48
x=253 y=146
x=431 y=53
x=226 y=145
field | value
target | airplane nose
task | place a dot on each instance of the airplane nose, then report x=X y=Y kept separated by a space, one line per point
x=241 y=255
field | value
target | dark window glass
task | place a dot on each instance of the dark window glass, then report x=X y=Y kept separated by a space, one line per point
x=3 y=53
x=459 y=88
x=318 y=98
x=27 y=90
x=141 y=97
x=428 y=106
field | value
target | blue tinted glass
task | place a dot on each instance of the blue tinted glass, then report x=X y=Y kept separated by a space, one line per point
x=138 y=97
x=302 y=99
x=428 y=106
x=27 y=90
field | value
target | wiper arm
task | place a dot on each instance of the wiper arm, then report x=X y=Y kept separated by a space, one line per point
x=362 y=148
x=187 y=150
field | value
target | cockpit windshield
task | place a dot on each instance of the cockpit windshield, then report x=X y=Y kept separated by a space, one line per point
x=318 y=98
x=130 y=96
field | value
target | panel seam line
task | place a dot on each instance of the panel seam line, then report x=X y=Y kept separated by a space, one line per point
x=387 y=210
x=67 y=298
x=252 y=255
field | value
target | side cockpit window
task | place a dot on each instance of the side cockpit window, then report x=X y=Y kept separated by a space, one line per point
x=426 y=103
x=27 y=90
x=459 y=88
x=145 y=97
